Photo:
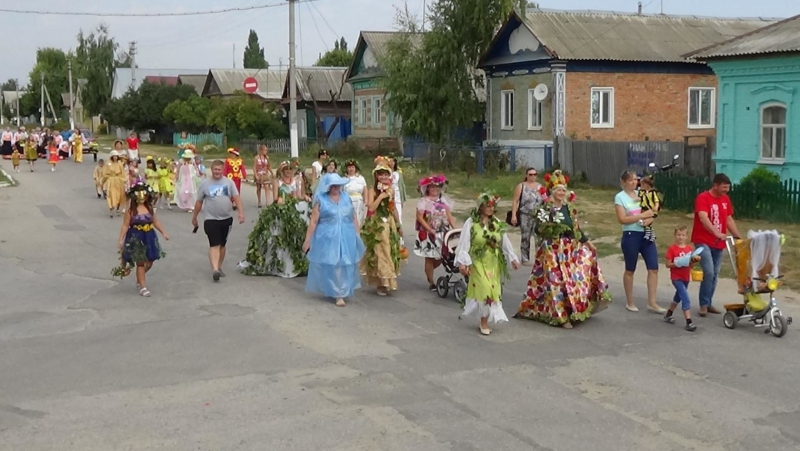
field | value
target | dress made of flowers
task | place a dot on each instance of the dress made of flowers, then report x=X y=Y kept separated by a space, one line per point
x=566 y=284
x=381 y=262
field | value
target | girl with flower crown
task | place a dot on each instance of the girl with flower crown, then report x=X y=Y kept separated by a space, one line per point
x=566 y=284
x=275 y=246
x=434 y=219
x=138 y=242
x=381 y=232
x=483 y=254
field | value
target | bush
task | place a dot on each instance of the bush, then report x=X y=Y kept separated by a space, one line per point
x=761 y=194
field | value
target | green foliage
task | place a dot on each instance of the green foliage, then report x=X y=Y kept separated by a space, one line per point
x=263 y=244
x=190 y=114
x=53 y=64
x=372 y=233
x=338 y=57
x=254 y=54
x=143 y=109
x=102 y=129
x=760 y=176
x=243 y=116
x=95 y=61
x=431 y=77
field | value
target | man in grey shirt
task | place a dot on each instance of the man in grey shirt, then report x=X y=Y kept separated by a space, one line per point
x=214 y=196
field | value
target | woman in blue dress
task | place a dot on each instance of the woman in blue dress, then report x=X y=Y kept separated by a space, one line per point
x=138 y=241
x=333 y=243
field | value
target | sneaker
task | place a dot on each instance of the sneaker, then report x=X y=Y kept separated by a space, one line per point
x=432 y=287
x=669 y=318
x=216 y=276
x=690 y=327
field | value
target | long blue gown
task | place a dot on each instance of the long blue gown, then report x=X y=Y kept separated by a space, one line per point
x=336 y=249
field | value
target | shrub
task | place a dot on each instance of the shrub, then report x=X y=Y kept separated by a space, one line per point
x=762 y=195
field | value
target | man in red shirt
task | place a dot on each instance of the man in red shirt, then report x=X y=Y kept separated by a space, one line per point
x=713 y=219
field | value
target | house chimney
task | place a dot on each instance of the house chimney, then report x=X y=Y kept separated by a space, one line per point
x=640 y=9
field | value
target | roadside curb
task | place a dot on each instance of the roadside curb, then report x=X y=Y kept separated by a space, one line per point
x=8 y=176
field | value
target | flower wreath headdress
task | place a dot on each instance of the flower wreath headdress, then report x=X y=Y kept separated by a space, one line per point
x=352 y=162
x=140 y=191
x=435 y=180
x=382 y=164
x=556 y=179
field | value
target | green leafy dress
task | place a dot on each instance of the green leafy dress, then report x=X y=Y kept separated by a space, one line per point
x=381 y=262
x=486 y=250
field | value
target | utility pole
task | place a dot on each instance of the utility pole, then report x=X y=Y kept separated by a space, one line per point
x=41 y=103
x=233 y=56
x=132 y=53
x=71 y=99
x=16 y=86
x=292 y=86
x=425 y=7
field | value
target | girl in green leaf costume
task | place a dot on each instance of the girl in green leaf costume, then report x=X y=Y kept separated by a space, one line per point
x=483 y=254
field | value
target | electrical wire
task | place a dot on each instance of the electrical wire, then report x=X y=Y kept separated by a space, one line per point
x=193 y=38
x=325 y=20
x=188 y=13
x=318 y=32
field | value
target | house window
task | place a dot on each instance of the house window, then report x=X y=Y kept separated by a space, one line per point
x=507 y=110
x=534 y=112
x=773 y=132
x=376 y=111
x=362 y=112
x=701 y=107
x=602 y=108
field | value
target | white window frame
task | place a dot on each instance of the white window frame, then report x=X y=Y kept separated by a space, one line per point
x=610 y=123
x=362 y=111
x=535 y=117
x=506 y=120
x=774 y=128
x=377 y=106
x=712 y=105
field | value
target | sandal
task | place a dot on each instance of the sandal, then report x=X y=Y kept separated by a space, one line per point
x=340 y=302
x=566 y=326
x=485 y=331
x=144 y=292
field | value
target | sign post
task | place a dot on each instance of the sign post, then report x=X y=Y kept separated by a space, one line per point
x=250 y=85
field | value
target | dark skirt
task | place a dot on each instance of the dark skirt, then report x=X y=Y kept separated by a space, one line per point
x=5 y=149
x=141 y=246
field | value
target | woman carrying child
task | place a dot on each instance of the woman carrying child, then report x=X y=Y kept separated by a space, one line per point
x=138 y=241
x=483 y=254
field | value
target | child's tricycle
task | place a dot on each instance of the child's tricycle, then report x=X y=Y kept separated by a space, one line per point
x=755 y=264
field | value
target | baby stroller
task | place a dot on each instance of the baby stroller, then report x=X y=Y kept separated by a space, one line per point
x=453 y=278
x=755 y=264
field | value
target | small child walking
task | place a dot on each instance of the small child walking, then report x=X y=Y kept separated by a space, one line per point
x=52 y=154
x=679 y=261
x=30 y=151
x=15 y=156
x=97 y=176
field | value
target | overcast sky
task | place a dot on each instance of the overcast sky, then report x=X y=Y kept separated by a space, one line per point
x=204 y=42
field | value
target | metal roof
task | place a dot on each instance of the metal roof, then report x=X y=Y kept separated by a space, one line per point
x=780 y=37
x=195 y=81
x=378 y=41
x=319 y=82
x=270 y=82
x=122 y=77
x=614 y=36
x=10 y=97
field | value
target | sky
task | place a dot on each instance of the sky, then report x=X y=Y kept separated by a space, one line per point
x=205 y=42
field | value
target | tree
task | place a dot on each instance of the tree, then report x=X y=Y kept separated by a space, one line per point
x=254 y=54
x=9 y=85
x=190 y=114
x=95 y=59
x=431 y=78
x=334 y=98
x=338 y=57
x=143 y=109
x=52 y=63
x=243 y=116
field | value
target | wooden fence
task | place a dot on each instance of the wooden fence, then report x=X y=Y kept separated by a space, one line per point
x=767 y=202
x=602 y=162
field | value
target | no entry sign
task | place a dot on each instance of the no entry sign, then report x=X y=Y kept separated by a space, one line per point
x=250 y=85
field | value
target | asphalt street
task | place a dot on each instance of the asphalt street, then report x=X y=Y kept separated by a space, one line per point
x=257 y=364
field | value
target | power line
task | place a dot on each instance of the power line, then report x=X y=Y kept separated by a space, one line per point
x=311 y=13
x=325 y=20
x=189 y=13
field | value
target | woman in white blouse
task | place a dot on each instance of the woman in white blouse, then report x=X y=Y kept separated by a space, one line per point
x=356 y=188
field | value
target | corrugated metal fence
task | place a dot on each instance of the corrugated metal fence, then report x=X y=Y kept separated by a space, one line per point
x=478 y=158
x=603 y=162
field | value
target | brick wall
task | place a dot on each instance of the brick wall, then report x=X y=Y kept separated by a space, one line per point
x=369 y=128
x=653 y=106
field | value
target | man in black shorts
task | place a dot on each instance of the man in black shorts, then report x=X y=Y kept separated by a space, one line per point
x=214 y=196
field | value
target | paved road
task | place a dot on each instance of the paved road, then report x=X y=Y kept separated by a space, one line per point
x=255 y=364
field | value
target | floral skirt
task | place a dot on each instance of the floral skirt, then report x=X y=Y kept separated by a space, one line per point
x=429 y=245
x=141 y=246
x=566 y=284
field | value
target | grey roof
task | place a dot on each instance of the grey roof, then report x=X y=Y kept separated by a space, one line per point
x=11 y=96
x=227 y=81
x=196 y=81
x=614 y=36
x=122 y=77
x=379 y=40
x=319 y=82
x=780 y=37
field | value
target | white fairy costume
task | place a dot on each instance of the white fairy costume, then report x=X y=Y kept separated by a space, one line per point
x=398 y=199
x=355 y=189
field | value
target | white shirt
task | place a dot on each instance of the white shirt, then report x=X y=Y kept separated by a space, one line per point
x=355 y=188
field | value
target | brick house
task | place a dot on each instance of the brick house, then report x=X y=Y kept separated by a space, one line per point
x=608 y=76
x=373 y=125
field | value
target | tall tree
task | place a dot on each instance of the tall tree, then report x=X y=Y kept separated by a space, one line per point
x=431 y=79
x=143 y=109
x=52 y=63
x=95 y=59
x=9 y=85
x=338 y=57
x=254 y=54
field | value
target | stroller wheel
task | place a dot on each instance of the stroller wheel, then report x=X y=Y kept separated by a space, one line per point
x=460 y=291
x=730 y=320
x=779 y=326
x=442 y=286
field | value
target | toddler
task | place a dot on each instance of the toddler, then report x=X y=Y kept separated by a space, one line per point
x=97 y=176
x=15 y=156
x=649 y=200
x=679 y=261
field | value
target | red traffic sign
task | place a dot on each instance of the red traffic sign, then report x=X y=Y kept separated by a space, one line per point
x=250 y=85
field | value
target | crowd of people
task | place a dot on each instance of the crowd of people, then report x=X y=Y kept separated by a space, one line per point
x=330 y=224
x=41 y=143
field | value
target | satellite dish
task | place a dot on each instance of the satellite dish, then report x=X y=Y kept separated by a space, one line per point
x=540 y=92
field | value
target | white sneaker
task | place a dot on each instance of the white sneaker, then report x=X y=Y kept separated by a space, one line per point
x=52 y=169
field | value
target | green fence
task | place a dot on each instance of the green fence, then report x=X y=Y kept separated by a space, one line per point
x=769 y=202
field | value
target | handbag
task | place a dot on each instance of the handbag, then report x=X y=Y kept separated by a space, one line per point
x=508 y=213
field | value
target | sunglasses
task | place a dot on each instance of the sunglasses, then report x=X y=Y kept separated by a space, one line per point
x=532 y=174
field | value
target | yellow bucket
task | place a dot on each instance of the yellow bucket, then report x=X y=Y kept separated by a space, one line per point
x=697 y=275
